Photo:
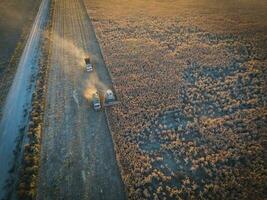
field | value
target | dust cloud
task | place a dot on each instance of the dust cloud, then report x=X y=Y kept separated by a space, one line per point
x=92 y=83
x=89 y=91
x=69 y=49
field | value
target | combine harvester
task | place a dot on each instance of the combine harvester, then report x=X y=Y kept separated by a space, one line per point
x=101 y=95
x=108 y=99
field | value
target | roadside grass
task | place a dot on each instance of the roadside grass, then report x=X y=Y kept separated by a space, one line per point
x=29 y=170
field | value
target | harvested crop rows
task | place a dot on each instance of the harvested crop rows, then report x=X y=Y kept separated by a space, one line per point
x=191 y=77
x=78 y=160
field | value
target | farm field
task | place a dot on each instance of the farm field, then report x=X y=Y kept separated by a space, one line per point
x=16 y=17
x=191 y=77
x=188 y=119
x=14 y=119
x=77 y=156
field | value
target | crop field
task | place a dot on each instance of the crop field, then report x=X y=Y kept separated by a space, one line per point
x=16 y=17
x=77 y=156
x=191 y=77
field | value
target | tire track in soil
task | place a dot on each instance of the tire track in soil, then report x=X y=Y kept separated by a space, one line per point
x=78 y=159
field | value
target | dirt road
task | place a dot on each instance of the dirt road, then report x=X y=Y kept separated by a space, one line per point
x=78 y=160
x=19 y=97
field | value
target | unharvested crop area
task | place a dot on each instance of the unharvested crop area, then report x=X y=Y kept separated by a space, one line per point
x=191 y=77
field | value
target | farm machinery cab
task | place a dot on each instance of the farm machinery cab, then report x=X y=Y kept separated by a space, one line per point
x=88 y=64
x=109 y=96
x=96 y=101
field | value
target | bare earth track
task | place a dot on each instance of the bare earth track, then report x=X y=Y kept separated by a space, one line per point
x=77 y=159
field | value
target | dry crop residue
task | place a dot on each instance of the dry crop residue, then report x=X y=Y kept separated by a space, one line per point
x=77 y=156
x=191 y=77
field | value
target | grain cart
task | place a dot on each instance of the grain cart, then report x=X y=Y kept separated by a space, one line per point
x=96 y=102
x=88 y=64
